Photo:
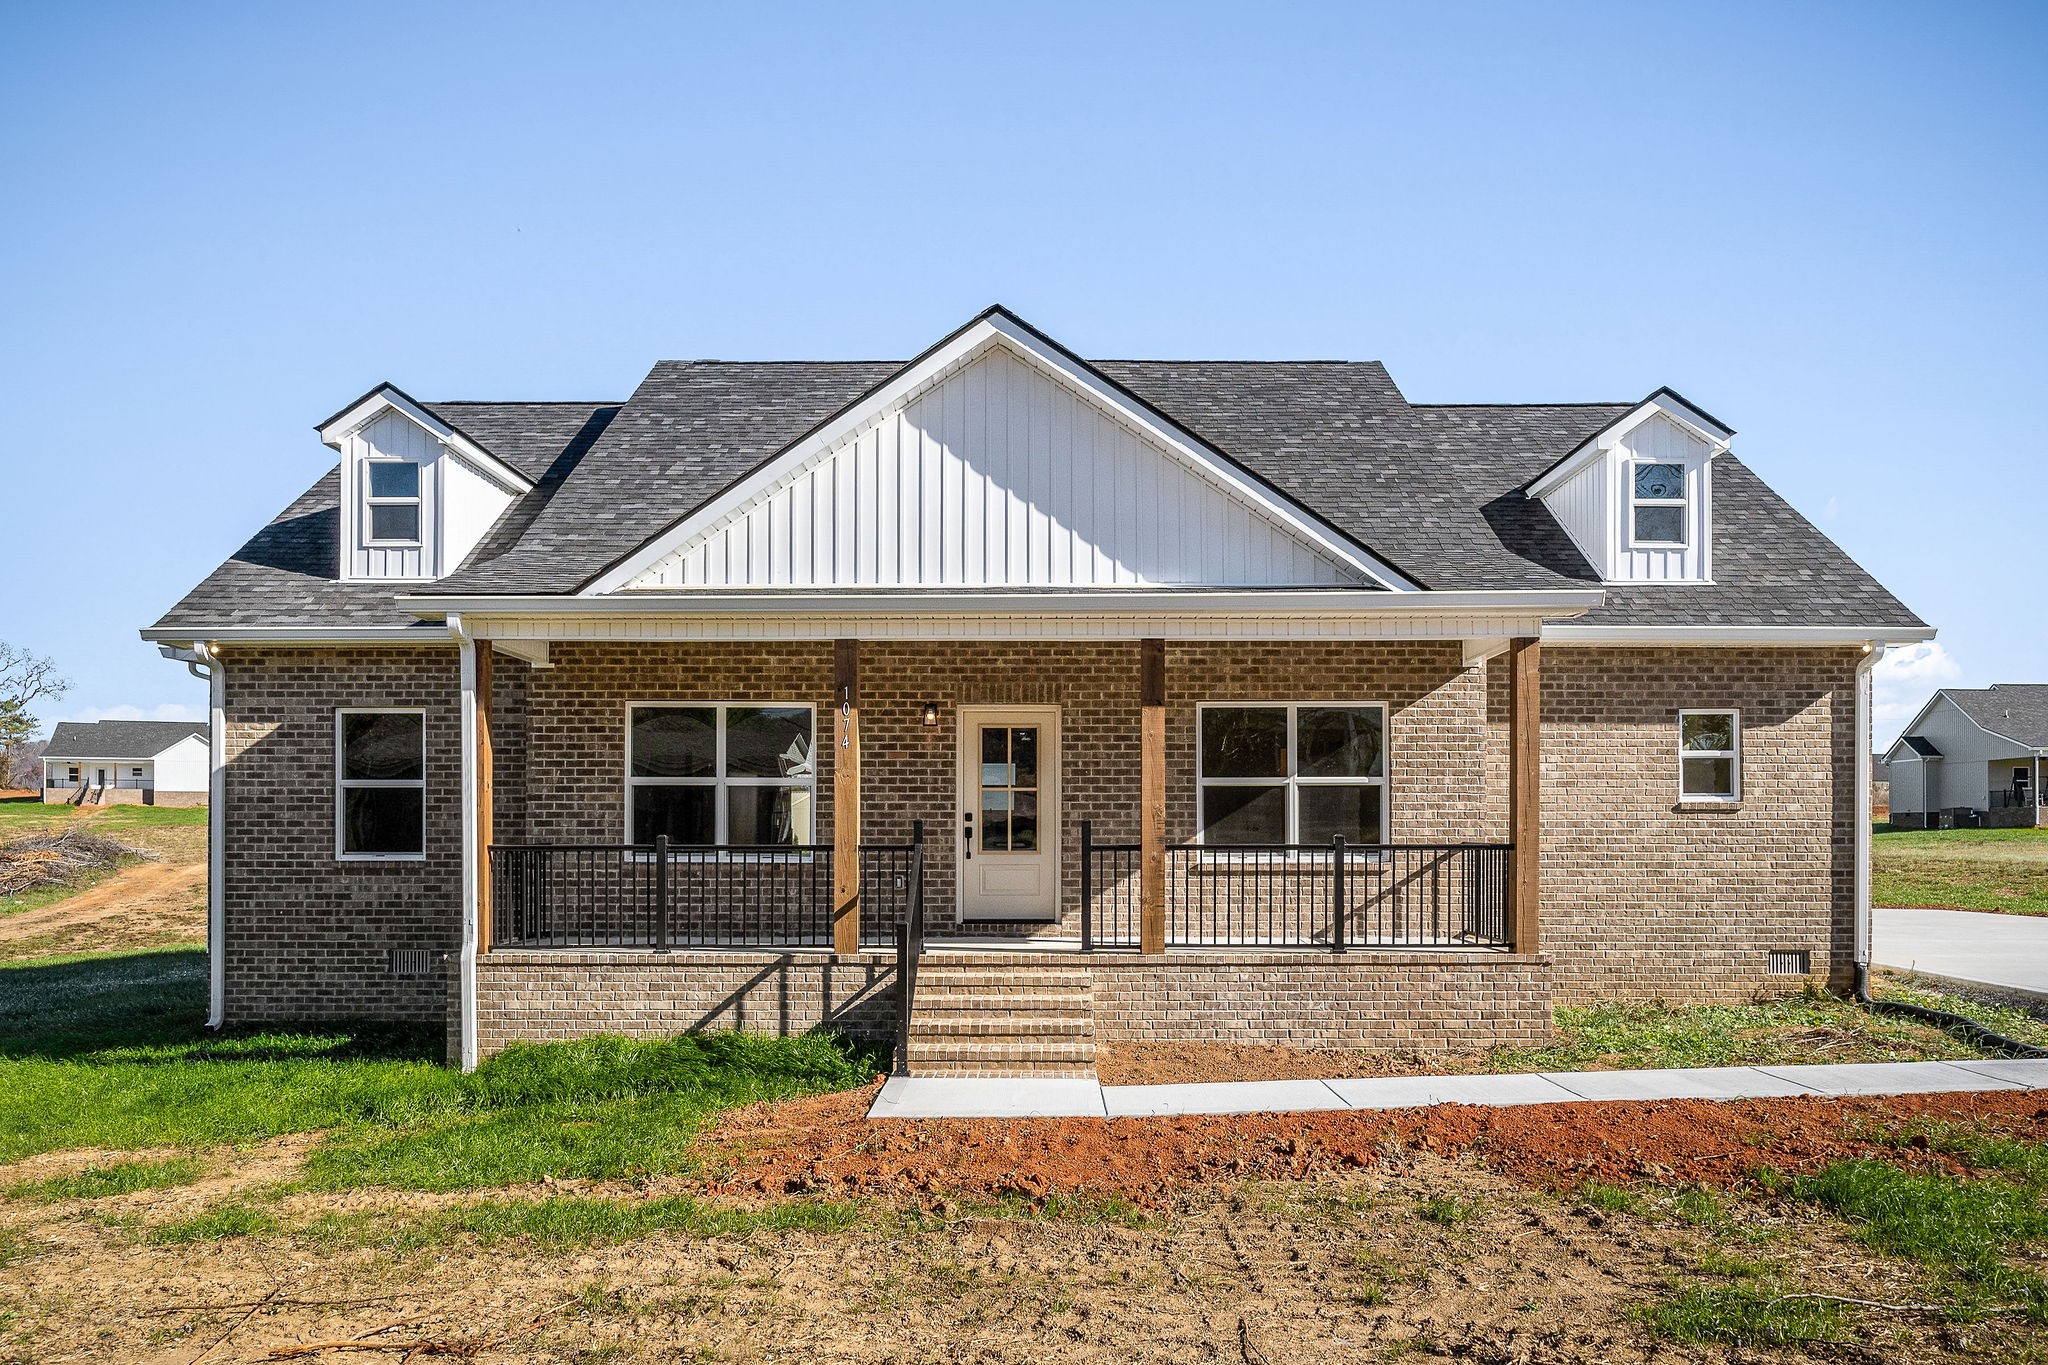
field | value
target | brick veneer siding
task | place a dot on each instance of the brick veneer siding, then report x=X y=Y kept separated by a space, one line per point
x=1645 y=896
x=307 y=934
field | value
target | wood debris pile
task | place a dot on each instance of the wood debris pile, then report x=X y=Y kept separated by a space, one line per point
x=45 y=860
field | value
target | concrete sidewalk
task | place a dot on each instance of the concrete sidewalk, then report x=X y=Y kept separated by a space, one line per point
x=914 y=1097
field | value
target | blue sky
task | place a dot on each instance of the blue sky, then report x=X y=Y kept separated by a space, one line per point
x=1824 y=223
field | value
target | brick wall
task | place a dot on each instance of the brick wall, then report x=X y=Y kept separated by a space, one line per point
x=306 y=934
x=1645 y=896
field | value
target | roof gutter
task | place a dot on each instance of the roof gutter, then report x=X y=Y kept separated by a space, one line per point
x=1735 y=635
x=1567 y=602
x=185 y=636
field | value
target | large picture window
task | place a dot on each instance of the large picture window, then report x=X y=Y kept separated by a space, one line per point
x=380 y=796
x=707 y=774
x=1710 y=755
x=1298 y=773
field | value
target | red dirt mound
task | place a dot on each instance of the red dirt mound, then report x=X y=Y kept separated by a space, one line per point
x=827 y=1145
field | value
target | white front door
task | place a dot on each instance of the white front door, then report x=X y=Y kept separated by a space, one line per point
x=1007 y=832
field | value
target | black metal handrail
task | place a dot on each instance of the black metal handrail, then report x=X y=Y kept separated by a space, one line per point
x=665 y=896
x=1335 y=896
x=2016 y=798
x=909 y=950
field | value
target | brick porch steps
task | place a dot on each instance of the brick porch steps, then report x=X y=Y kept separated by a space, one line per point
x=971 y=1018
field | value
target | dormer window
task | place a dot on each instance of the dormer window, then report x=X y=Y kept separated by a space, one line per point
x=1657 y=503
x=392 y=501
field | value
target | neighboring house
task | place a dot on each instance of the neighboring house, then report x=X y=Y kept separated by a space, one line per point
x=1201 y=700
x=126 y=763
x=1973 y=756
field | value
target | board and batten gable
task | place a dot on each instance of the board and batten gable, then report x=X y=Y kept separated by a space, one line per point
x=458 y=503
x=997 y=476
x=1595 y=508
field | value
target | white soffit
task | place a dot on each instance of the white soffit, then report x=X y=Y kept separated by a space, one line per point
x=998 y=461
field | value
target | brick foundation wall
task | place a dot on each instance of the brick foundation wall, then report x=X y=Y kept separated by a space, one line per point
x=307 y=935
x=544 y=997
x=123 y=796
x=1648 y=897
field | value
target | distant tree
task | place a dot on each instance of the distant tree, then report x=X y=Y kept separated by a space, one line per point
x=27 y=769
x=25 y=679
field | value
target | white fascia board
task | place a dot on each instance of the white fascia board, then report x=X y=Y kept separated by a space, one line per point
x=464 y=449
x=1661 y=403
x=1567 y=634
x=962 y=350
x=1564 y=602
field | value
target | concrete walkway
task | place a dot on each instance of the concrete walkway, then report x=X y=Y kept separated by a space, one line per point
x=935 y=1097
x=2007 y=951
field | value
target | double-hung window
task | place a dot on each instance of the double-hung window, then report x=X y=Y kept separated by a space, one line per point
x=380 y=789
x=392 y=499
x=707 y=774
x=1657 y=503
x=1293 y=773
x=1710 y=755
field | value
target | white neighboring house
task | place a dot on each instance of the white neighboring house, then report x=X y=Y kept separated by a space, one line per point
x=126 y=763
x=1973 y=756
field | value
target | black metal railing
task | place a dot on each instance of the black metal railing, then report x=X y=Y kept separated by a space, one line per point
x=1334 y=896
x=664 y=896
x=2015 y=798
x=909 y=952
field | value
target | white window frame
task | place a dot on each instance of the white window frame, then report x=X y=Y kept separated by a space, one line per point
x=1734 y=756
x=1683 y=502
x=1293 y=782
x=342 y=785
x=371 y=502
x=718 y=779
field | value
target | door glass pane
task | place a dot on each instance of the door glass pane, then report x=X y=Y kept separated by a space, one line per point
x=1023 y=821
x=767 y=815
x=382 y=820
x=687 y=815
x=768 y=741
x=395 y=521
x=995 y=756
x=1326 y=812
x=1660 y=525
x=1709 y=732
x=383 y=746
x=675 y=741
x=995 y=820
x=1709 y=776
x=1024 y=756
x=1244 y=741
x=1338 y=741
x=1244 y=815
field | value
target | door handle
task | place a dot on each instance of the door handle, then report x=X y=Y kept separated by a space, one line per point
x=967 y=833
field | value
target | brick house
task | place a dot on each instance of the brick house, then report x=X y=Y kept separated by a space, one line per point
x=1001 y=702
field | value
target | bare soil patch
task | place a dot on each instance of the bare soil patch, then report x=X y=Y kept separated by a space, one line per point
x=827 y=1145
x=1199 y=1063
x=146 y=906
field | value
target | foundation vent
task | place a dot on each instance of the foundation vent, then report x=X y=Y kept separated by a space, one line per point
x=1785 y=962
x=420 y=961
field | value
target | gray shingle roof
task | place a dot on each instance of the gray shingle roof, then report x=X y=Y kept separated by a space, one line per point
x=118 y=738
x=2019 y=711
x=1435 y=490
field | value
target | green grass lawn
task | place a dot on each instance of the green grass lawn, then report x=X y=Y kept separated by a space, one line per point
x=109 y=1051
x=1961 y=869
x=176 y=833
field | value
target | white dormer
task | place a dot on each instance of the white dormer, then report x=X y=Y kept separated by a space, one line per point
x=416 y=494
x=1638 y=496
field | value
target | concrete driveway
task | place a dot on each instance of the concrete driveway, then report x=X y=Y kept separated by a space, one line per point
x=1964 y=945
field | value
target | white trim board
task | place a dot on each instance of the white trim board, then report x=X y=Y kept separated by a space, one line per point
x=389 y=397
x=955 y=353
x=1664 y=402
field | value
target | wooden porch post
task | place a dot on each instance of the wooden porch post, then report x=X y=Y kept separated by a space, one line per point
x=485 y=825
x=1525 y=785
x=846 y=797
x=1152 y=796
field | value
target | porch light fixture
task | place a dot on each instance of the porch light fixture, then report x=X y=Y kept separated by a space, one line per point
x=930 y=718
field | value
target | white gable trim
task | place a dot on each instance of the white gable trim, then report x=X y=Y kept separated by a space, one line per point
x=938 y=364
x=1663 y=403
x=389 y=398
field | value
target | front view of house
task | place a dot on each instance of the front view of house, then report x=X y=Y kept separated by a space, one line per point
x=1000 y=702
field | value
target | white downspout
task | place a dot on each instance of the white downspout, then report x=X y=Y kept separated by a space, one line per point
x=202 y=662
x=467 y=986
x=1862 y=806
